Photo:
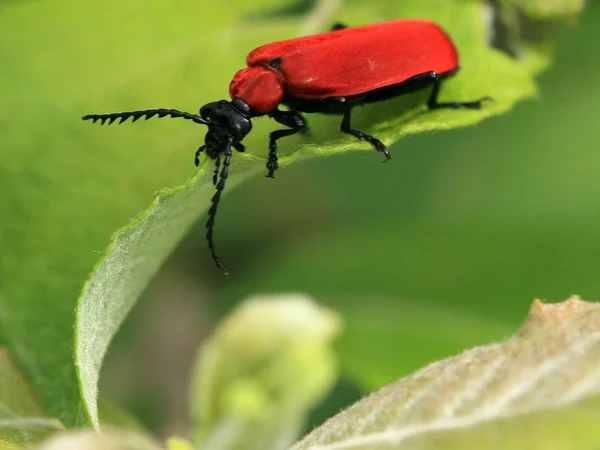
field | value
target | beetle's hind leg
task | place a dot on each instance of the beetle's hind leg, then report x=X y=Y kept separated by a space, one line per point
x=433 y=103
x=379 y=146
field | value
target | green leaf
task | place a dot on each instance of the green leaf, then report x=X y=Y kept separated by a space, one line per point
x=261 y=372
x=118 y=282
x=428 y=238
x=379 y=326
x=23 y=421
x=525 y=28
x=176 y=443
x=548 y=9
x=537 y=390
x=68 y=186
x=115 y=416
x=134 y=255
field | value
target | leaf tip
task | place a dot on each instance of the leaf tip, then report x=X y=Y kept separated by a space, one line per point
x=547 y=315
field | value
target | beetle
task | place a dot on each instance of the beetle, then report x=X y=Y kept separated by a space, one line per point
x=331 y=73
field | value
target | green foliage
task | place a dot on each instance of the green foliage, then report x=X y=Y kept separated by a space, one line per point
x=23 y=421
x=547 y=9
x=134 y=254
x=461 y=231
x=109 y=439
x=536 y=390
x=463 y=20
x=67 y=186
x=261 y=371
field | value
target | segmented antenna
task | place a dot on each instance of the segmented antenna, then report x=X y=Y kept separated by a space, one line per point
x=212 y=212
x=147 y=114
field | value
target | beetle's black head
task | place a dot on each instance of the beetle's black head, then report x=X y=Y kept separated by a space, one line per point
x=228 y=122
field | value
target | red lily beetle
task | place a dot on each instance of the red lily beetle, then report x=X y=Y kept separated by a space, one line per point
x=329 y=73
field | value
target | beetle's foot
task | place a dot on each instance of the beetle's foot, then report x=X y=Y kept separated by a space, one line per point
x=379 y=146
x=272 y=166
x=383 y=149
x=477 y=103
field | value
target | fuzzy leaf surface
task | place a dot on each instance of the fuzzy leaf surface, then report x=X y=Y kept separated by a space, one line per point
x=538 y=389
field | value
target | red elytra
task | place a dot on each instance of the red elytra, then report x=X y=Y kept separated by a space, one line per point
x=331 y=73
x=344 y=62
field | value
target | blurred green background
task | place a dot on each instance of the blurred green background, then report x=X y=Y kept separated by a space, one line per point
x=439 y=250
x=443 y=248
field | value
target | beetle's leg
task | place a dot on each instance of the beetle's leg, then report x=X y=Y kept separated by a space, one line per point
x=197 y=156
x=433 y=103
x=290 y=119
x=305 y=130
x=379 y=146
x=239 y=147
x=212 y=212
x=216 y=172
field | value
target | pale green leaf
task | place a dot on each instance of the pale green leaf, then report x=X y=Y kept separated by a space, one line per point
x=537 y=390
x=23 y=421
x=548 y=9
x=110 y=439
x=176 y=443
x=112 y=414
x=134 y=255
x=259 y=374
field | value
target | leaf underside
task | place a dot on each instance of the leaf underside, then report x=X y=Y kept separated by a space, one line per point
x=539 y=389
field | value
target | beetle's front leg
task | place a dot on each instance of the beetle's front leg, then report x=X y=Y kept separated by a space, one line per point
x=290 y=119
x=197 y=156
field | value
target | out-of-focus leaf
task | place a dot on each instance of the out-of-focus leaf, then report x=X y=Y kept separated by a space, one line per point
x=383 y=326
x=526 y=28
x=537 y=390
x=23 y=421
x=175 y=443
x=548 y=9
x=110 y=439
x=115 y=416
x=261 y=371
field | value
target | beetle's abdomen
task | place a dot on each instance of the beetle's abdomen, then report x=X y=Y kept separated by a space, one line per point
x=260 y=87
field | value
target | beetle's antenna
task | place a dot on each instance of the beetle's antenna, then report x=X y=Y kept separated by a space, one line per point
x=212 y=212
x=147 y=114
